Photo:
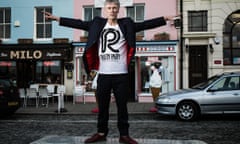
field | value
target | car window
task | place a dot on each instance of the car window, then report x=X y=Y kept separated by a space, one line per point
x=205 y=84
x=234 y=83
x=227 y=83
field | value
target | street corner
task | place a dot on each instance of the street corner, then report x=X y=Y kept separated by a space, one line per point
x=55 y=139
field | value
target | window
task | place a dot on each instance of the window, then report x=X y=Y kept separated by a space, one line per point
x=82 y=77
x=48 y=71
x=166 y=70
x=137 y=14
x=5 y=23
x=91 y=12
x=8 y=68
x=197 y=21
x=231 y=39
x=43 y=27
x=227 y=83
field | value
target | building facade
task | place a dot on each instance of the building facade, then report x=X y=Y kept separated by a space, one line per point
x=211 y=40
x=150 y=48
x=34 y=49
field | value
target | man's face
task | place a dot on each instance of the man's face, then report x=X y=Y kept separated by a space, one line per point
x=111 y=10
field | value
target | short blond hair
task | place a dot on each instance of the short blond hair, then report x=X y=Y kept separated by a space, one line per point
x=112 y=1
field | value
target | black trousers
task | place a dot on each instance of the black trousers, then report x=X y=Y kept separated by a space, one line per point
x=119 y=85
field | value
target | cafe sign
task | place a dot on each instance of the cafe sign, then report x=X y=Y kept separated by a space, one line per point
x=26 y=54
x=33 y=54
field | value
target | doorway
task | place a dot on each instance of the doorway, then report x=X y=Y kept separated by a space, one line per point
x=131 y=73
x=25 y=73
x=197 y=64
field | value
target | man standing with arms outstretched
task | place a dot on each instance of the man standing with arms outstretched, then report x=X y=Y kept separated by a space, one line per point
x=109 y=50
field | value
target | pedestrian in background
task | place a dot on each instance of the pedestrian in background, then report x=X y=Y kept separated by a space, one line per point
x=109 y=50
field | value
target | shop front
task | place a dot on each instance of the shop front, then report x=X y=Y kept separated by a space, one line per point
x=34 y=63
x=147 y=53
x=163 y=54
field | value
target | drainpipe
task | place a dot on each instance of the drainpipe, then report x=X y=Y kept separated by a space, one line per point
x=181 y=44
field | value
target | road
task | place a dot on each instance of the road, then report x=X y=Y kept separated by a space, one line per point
x=24 y=129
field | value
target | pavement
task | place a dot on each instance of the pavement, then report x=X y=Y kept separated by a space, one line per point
x=80 y=108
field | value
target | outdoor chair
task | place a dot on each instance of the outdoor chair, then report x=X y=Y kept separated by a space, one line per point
x=50 y=89
x=31 y=93
x=43 y=94
x=79 y=91
x=22 y=94
x=36 y=86
x=61 y=90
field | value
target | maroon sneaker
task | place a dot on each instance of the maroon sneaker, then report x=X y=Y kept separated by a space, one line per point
x=95 y=138
x=153 y=109
x=95 y=110
x=127 y=140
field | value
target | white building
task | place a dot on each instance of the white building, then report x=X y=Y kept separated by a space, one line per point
x=211 y=38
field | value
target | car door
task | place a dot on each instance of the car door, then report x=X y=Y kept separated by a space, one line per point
x=223 y=96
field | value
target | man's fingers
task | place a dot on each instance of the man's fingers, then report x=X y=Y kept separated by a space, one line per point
x=46 y=13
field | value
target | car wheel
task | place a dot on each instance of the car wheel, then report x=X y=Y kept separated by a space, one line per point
x=187 y=111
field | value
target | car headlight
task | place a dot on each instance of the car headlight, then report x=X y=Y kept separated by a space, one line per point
x=163 y=99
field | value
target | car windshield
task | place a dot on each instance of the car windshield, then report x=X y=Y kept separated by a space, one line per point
x=205 y=84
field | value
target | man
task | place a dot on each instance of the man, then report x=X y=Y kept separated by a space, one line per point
x=110 y=47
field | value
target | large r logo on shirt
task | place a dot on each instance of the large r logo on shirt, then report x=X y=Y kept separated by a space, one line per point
x=109 y=38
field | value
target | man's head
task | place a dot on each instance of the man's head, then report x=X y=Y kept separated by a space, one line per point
x=112 y=8
x=112 y=1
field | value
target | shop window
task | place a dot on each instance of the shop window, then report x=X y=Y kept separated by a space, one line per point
x=5 y=23
x=43 y=27
x=48 y=72
x=81 y=76
x=166 y=70
x=231 y=39
x=197 y=21
x=136 y=12
x=9 y=69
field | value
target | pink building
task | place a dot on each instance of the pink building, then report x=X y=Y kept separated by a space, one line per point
x=149 y=49
x=147 y=8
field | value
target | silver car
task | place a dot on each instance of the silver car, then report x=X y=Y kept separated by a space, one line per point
x=220 y=94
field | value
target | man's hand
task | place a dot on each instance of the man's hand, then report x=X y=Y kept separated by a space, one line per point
x=93 y=74
x=49 y=16
x=173 y=20
x=170 y=18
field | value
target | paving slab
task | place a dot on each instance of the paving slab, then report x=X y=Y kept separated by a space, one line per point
x=56 y=139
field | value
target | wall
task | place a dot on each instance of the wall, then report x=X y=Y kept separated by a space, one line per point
x=23 y=11
x=218 y=11
x=153 y=8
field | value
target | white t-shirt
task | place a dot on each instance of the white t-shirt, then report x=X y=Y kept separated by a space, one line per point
x=112 y=51
x=155 y=79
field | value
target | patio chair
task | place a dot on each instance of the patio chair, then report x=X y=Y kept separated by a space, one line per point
x=22 y=94
x=36 y=86
x=61 y=90
x=31 y=93
x=79 y=91
x=43 y=94
x=50 y=89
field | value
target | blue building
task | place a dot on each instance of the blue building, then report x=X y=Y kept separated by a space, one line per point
x=33 y=48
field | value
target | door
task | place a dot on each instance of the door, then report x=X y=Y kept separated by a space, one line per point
x=131 y=72
x=197 y=64
x=25 y=73
x=223 y=96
